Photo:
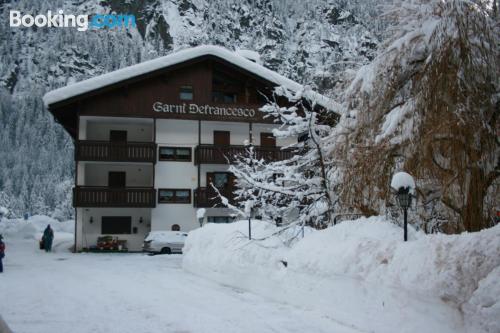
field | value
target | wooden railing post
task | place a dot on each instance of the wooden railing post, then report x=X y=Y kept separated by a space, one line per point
x=84 y=196
x=213 y=154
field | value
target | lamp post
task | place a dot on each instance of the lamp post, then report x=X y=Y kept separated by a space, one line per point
x=404 y=199
x=404 y=186
x=250 y=227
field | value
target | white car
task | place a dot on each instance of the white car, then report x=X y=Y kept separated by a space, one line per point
x=165 y=242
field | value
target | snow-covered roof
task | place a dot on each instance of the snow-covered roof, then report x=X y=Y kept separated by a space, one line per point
x=234 y=58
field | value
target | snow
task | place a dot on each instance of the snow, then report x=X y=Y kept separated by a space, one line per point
x=200 y=213
x=362 y=273
x=250 y=55
x=234 y=58
x=166 y=236
x=394 y=118
x=484 y=306
x=403 y=179
x=357 y=276
x=34 y=227
x=80 y=293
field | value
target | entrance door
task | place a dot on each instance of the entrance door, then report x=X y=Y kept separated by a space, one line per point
x=267 y=140
x=118 y=136
x=222 y=138
x=117 y=179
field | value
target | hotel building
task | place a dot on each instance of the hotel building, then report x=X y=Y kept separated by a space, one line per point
x=151 y=138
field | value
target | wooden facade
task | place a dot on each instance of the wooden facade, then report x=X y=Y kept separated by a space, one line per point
x=135 y=97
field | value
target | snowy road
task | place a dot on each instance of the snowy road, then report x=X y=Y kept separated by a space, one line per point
x=64 y=292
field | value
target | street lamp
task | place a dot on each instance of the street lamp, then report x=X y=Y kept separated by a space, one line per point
x=404 y=186
x=404 y=199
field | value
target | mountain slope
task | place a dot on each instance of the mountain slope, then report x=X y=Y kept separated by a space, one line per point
x=313 y=42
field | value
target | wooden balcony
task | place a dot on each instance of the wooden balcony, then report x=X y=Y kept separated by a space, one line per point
x=208 y=197
x=214 y=154
x=93 y=196
x=86 y=150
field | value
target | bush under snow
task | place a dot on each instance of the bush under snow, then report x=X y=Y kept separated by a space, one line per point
x=368 y=255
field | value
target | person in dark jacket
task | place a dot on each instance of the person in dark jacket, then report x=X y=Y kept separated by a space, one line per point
x=2 y=253
x=48 y=237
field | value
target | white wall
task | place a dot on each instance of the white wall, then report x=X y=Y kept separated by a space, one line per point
x=268 y=128
x=177 y=132
x=176 y=175
x=137 y=174
x=87 y=232
x=184 y=175
x=96 y=130
x=79 y=229
x=168 y=174
x=81 y=173
x=239 y=131
x=82 y=133
x=166 y=215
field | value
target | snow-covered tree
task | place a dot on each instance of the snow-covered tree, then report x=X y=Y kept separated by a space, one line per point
x=296 y=190
x=429 y=105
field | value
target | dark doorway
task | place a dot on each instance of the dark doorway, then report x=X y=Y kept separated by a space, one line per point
x=116 y=225
x=222 y=138
x=118 y=136
x=267 y=140
x=176 y=227
x=117 y=179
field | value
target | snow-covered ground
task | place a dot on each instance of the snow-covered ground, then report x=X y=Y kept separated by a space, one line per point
x=355 y=277
x=65 y=292
x=362 y=273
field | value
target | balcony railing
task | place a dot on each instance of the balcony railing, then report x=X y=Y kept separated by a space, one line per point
x=90 y=196
x=215 y=154
x=208 y=197
x=87 y=150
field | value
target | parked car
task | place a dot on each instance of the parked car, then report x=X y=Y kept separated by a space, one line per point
x=165 y=242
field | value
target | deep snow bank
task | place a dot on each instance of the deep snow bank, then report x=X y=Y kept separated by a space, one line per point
x=366 y=253
x=33 y=229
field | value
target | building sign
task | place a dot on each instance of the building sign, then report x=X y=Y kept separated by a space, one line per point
x=207 y=110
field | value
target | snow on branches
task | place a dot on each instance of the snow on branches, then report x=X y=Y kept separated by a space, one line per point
x=296 y=190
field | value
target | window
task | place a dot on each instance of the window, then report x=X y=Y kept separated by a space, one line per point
x=186 y=93
x=219 y=219
x=223 y=97
x=175 y=154
x=221 y=180
x=174 y=196
x=116 y=225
